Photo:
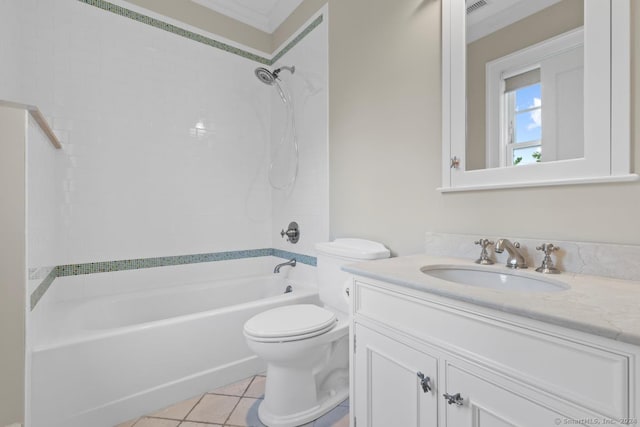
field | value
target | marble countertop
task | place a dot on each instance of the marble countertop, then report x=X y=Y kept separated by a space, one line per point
x=598 y=305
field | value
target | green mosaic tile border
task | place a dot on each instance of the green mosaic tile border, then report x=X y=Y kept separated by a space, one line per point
x=42 y=288
x=140 y=263
x=297 y=39
x=127 y=13
x=136 y=264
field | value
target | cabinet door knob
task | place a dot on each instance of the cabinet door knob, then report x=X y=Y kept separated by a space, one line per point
x=453 y=399
x=424 y=382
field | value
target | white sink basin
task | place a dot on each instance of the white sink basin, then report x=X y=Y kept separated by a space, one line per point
x=503 y=280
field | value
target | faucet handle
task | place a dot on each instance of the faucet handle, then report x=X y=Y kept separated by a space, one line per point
x=292 y=233
x=547 y=266
x=484 y=243
x=547 y=248
x=484 y=254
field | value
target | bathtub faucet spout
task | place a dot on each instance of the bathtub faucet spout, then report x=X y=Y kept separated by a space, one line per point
x=291 y=262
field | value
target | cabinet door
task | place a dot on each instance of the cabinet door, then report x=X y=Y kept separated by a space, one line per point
x=487 y=404
x=388 y=390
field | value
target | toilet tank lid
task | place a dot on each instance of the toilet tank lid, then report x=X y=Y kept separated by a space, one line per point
x=354 y=248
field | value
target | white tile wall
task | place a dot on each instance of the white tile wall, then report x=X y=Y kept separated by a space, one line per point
x=136 y=178
x=307 y=202
x=42 y=200
x=135 y=181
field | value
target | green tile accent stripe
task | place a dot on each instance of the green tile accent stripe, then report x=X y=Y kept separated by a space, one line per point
x=297 y=39
x=136 y=264
x=42 y=288
x=140 y=263
x=127 y=13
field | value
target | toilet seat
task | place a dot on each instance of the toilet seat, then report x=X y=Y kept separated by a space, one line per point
x=290 y=323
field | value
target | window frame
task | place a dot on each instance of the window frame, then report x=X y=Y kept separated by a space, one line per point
x=501 y=69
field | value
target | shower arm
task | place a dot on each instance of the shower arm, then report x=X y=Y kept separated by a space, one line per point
x=291 y=69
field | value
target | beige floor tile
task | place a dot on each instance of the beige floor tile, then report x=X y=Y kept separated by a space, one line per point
x=235 y=389
x=342 y=422
x=256 y=389
x=246 y=413
x=128 y=423
x=178 y=411
x=213 y=408
x=156 y=422
x=192 y=424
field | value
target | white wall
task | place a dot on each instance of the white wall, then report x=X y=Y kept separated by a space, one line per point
x=307 y=201
x=124 y=98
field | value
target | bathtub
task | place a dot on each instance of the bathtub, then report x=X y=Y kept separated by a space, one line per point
x=103 y=359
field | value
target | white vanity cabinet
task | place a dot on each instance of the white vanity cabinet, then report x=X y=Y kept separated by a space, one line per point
x=388 y=370
x=508 y=370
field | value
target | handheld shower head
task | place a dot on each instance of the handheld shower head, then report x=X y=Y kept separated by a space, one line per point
x=269 y=77
x=265 y=76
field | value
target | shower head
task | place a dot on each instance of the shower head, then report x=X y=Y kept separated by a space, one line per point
x=268 y=77
x=265 y=76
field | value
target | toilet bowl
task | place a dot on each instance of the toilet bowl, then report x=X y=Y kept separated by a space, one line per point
x=307 y=373
x=305 y=346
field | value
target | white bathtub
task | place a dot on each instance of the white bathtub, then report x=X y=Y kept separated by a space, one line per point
x=104 y=359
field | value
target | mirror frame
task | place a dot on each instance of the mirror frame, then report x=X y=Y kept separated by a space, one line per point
x=607 y=100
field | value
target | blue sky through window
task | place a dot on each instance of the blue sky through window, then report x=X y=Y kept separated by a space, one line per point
x=526 y=97
x=528 y=126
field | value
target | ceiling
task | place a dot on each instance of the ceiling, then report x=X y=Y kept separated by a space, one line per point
x=265 y=15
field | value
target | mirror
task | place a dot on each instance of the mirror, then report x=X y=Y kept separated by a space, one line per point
x=535 y=92
x=524 y=68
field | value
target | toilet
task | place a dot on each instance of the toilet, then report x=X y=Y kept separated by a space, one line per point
x=306 y=346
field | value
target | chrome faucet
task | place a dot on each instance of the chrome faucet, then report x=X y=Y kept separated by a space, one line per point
x=515 y=258
x=291 y=262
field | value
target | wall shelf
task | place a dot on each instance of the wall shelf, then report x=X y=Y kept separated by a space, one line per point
x=39 y=118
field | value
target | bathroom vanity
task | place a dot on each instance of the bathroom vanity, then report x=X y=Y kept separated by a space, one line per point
x=433 y=352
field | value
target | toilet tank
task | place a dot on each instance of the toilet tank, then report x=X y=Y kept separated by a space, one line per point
x=332 y=281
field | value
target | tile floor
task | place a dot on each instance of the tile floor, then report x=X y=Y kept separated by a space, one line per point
x=234 y=405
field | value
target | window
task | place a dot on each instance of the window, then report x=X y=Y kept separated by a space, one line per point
x=522 y=124
x=540 y=84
